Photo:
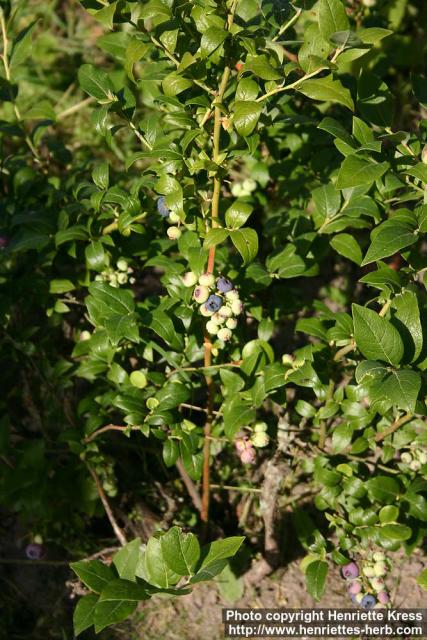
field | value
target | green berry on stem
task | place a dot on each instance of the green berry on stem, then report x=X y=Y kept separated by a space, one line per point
x=189 y=279
x=122 y=264
x=224 y=334
x=152 y=403
x=260 y=427
x=174 y=233
x=415 y=465
x=406 y=457
x=174 y=217
x=212 y=327
x=225 y=312
x=207 y=279
x=260 y=439
x=204 y=311
x=380 y=569
x=201 y=294
x=232 y=295
x=231 y=323
x=236 y=307
x=138 y=379
x=218 y=318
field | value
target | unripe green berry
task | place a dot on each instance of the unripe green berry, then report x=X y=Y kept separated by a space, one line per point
x=138 y=379
x=260 y=427
x=152 y=403
x=260 y=439
x=204 y=311
x=415 y=465
x=369 y=571
x=236 y=307
x=85 y=335
x=212 y=327
x=369 y=3
x=232 y=295
x=174 y=217
x=218 y=318
x=406 y=457
x=377 y=584
x=122 y=264
x=122 y=278
x=237 y=189
x=189 y=279
x=422 y=457
x=126 y=232
x=378 y=556
x=380 y=569
x=173 y=233
x=207 y=279
x=224 y=334
x=249 y=185
x=231 y=323
x=201 y=294
x=225 y=312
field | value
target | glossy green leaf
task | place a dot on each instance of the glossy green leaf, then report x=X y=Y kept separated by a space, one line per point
x=376 y=338
x=315 y=578
x=117 y=601
x=357 y=171
x=84 y=613
x=347 y=246
x=246 y=115
x=181 y=551
x=327 y=89
x=246 y=242
x=93 y=573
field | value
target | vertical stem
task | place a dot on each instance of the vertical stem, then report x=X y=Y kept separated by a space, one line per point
x=211 y=263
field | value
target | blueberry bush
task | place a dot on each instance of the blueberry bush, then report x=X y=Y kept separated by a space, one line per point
x=213 y=280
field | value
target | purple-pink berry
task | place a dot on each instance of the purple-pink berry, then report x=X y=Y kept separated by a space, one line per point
x=350 y=571
x=383 y=597
x=355 y=588
x=34 y=551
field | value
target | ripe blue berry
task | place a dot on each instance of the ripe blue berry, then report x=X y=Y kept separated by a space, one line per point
x=34 y=551
x=350 y=571
x=213 y=303
x=368 y=602
x=162 y=208
x=224 y=285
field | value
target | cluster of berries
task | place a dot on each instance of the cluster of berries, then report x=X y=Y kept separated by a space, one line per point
x=117 y=277
x=367 y=588
x=246 y=446
x=218 y=300
x=414 y=459
x=245 y=188
x=173 y=232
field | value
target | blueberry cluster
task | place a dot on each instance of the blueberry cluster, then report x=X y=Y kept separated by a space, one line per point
x=173 y=232
x=219 y=301
x=367 y=587
x=414 y=459
x=246 y=447
x=118 y=276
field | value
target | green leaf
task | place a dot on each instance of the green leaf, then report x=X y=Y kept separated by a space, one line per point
x=170 y=452
x=117 y=601
x=375 y=102
x=422 y=579
x=261 y=67
x=162 y=324
x=383 y=489
x=369 y=370
x=402 y=388
x=84 y=613
x=174 y=84
x=327 y=200
x=327 y=89
x=419 y=85
x=245 y=116
x=237 y=214
x=126 y=559
x=417 y=505
x=341 y=437
x=315 y=577
x=387 y=239
x=396 y=532
x=376 y=338
x=60 y=286
x=157 y=572
x=332 y=17
x=214 y=237
x=215 y=557
x=246 y=242
x=237 y=412
x=111 y=301
x=22 y=45
x=96 y=83
x=93 y=573
x=388 y=514
x=407 y=319
x=247 y=89
x=347 y=246
x=95 y=255
x=106 y=15
x=356 y=171
x=211 y=40
x=181 y=551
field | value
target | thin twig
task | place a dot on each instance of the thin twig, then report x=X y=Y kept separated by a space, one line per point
x=189 y=485
x=76 y=107
x=394 y=427
x=108 y=427
x=117 y=530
